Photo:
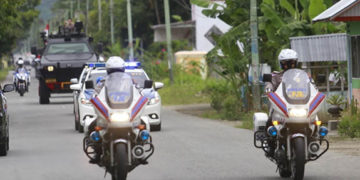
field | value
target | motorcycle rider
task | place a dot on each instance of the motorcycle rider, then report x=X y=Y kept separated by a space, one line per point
x=20 y=68
x=288 y=60
x=114 y=64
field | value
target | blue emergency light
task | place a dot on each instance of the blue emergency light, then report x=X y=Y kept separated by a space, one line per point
x=132 y=64
x=96 y=65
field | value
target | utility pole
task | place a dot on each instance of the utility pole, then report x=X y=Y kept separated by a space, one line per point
x=130 y=33
x=254 y=54
x=99 y=12
x=71 y=9
x=111 y=8
x=87 y=16
x=168 y=39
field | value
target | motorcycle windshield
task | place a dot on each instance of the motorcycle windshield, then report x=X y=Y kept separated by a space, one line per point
x=296 y=86
x=22 y=71
x=119 y=90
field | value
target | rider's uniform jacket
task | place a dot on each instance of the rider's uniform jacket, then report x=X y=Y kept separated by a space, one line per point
x=275 y=81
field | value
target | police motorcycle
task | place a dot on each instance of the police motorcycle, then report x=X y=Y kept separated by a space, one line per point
x=21 y=81
x=119 y=139
x=295 y=136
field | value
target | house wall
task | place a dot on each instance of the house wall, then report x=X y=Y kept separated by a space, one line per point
x=203 y=25
x=353 y=29
x=176 y=34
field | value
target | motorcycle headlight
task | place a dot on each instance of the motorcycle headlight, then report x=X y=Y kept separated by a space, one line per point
x=298 y=112
x=121 y=117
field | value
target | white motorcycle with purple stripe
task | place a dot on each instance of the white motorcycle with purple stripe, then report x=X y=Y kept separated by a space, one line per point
x=119 y=139
x=295 y=135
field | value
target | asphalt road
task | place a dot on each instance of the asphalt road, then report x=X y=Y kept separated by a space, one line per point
x=45 y=146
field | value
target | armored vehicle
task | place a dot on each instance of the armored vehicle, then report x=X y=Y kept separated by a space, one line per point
x=63 y=57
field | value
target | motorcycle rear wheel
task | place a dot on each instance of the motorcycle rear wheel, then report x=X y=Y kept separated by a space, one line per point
x=298 y=160
x=121 y=159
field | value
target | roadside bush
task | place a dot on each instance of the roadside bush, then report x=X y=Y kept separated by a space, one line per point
x=349 y=124
x=223 y=100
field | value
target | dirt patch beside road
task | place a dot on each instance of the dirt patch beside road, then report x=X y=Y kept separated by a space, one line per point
x=339 y=144
x=345 y=145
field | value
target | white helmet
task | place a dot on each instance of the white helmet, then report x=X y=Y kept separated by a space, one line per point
x=20 y=62
x=288 y=59
x=115 y=64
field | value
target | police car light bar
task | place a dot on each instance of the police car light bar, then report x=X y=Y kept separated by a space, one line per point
x=132 y=64
x=96 y=65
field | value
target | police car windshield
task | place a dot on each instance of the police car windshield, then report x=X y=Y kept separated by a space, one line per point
x=95 y=75
x=138 y=78
x=68 y=48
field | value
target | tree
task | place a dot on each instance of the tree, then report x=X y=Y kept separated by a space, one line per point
x=16 y=17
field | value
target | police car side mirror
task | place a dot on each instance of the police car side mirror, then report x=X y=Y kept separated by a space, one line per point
x=74 y=81
x=75 y=87
x=267 y=77
x=89 y=84
x=34 y=50
x=8 y=88
x=148 y=84
x=158 y=85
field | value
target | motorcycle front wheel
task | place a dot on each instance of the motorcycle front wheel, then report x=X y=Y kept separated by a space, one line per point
x=298 y=160
x=121 y=159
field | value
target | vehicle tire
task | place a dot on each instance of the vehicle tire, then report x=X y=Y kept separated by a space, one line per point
x=81 y=128
x=77 y=121
x=43 y=93
x=284 y=173
x=298 y=160
x=3 y=149
x=121 y=160
x=7 y=144
x=155 y=127
x=76 y=125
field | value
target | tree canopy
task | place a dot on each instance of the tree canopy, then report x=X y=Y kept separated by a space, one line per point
x=16 y=17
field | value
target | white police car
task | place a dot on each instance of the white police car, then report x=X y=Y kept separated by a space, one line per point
x=79 y=83
x=84 y=107
x=153 y=110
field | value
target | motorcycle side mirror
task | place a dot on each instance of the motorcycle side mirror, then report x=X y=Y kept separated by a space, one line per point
x=34 y=50
x=267 y=77
x=158 y=85
x=8 y=88
x=320 y=78
x=89 y=84
x=74 y=81
x=148 y=84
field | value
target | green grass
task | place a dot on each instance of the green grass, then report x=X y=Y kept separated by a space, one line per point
x=4 y=73
x=211 y=114
x=187 y=89
x=247 y=121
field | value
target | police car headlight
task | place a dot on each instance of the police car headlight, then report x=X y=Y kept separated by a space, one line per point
x=154 y=100
x=122 y=117
x=298 y=112
x=50 y=68
x=85 y=101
